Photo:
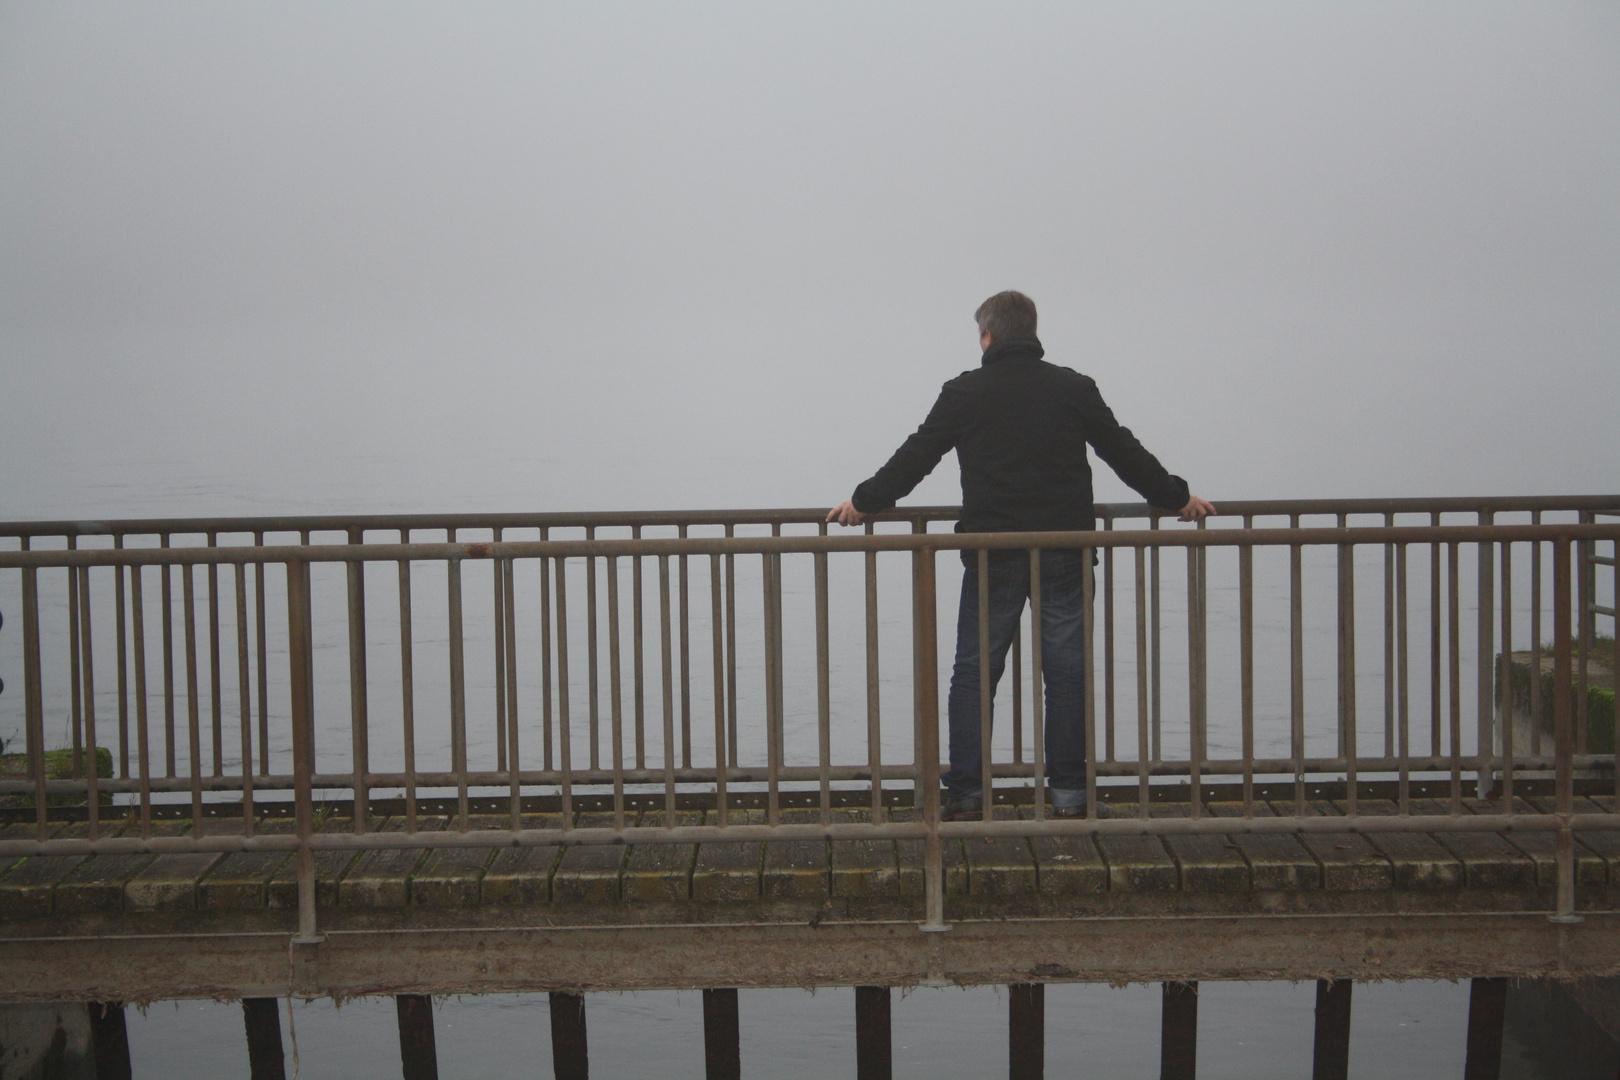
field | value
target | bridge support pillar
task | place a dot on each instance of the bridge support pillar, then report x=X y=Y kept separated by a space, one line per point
x=1487 y=1004
x=722 y=1048
x=1178 y=1034
x=569 y=1060
x=1026 y=1031
x=1331 y=1058
x=266 y=1060
x=874 y=1056
x=417 y=1052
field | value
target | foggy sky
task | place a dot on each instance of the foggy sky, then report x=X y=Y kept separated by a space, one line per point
x=315 y=257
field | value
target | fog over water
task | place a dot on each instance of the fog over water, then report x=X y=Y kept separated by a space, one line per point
x=504 y=257
x=398 y=257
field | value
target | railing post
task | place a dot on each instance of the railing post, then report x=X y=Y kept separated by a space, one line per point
x=303 y=733
x=925 y=662
x=266 y=1058
x=1563 y=736
x=359 y=734
x=33 y=698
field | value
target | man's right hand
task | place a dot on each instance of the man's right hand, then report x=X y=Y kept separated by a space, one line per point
x=1196 y=509
x=846 y=514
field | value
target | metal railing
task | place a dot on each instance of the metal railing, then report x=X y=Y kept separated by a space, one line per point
x=702 y=715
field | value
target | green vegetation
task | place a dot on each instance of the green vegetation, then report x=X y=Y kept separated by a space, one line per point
x=58 y=766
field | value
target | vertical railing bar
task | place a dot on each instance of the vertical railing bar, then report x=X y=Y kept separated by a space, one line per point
x=1203 y=666
x=458 y=690
x=781 y=651
x=823 y=687
x=193 y=712
x=1535 y=641
x=1485 y=651
x=637 y=656
x=121 y=643
x=615 y=697
x=1352 y=748
x=143 y=747
x=303 y=734
x=1108 y=645
x=1088 y=593
x=986 y=689
x=667 y=679
x=717 y=645
x=545 y=654
x=1340 y=640
x=1142 y=735
x=1585 y=621
x=216 y=706
x=1246 y=663
x=1562 y=735
x=498 y=628
x=75 y=669
x=359 y=724
x=1389 y=642
x=1454 y=661
x=1156 y=684
x=92 y=775
x=685 y=641
x=34 y=698
x=772 y=730
x=926 y=664
x=1436 y=641
x=565 y=790
x=1037 y=682
x=874 y=733
x=407 y=685
x=731 y=654
x=168 y=666
x=513 y=760
x=1404 y=679
x=1614 y=660
x=1194 y=687
x=919 y=797
x=263 y=656
x=1503 y=671
x=244 y=698
x=590 y=652
x=1018 y=692
x=1296 y=666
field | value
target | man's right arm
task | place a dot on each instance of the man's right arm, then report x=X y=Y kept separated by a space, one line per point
x=914 y=460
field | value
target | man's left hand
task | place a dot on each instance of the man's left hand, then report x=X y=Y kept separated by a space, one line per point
x=1197 y=509
x=846 y=514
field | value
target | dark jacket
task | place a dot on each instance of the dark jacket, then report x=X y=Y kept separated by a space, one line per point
x=1020 y=428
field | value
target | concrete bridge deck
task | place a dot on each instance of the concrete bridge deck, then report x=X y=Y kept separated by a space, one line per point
x=1119 y=907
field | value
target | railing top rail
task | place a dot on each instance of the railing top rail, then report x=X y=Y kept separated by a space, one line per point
x=1108 y=512
x=1305 y=537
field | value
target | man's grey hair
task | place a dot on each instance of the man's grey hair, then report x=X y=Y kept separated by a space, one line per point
x=1006 y=315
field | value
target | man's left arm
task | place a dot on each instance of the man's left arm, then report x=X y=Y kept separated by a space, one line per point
x=1132 y=461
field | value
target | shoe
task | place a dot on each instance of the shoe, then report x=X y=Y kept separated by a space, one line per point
x=1071 y=812
x=965 y=808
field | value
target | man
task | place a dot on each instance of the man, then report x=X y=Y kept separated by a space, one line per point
x=1020 y=426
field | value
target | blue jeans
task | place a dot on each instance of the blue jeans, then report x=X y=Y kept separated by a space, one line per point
x=1063 y=664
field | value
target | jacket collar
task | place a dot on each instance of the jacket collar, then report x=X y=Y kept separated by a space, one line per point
x=1018 y=348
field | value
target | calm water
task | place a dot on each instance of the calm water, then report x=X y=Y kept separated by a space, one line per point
x=1247 y=1031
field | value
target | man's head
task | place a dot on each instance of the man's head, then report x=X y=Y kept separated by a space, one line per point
x=1005 y=315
